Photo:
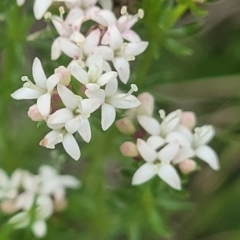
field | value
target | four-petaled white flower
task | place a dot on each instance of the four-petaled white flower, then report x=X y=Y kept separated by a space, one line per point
x=158 y=162
x=93 y=79
x=41 y=91
x=111 y=99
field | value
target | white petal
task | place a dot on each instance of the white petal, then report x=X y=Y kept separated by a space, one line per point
x=70 y=181
x=168 y=152
x=179 y=138
x=56 y=49
x=67 y=96
x=169 y=175
x=70 y=48
x=40 y=7
x=106 y=77
x=50 y=139
x=79 y=74
x=208 y=155
x=185 y=132
x=73 y=15
x=60 y=116
x=26 y=93
x=111 y=87
x=52 y=81
x=115 y=38
x=73 y=124
x=91 y=41
x=92 y=87
x=131 y=36
x=100 y=94
x=123 y=68
x=136 y=48
x=39 y=228
x=38 y=73
x=124 y=103
x=85 y=130
x=90 y=105
x=20 y=220
x=155 y=142
x=149 y=124
x=143 y=174
x=106 y=52
x=44 y=104
x=183 y=153
x=71 y=147
x=147 y=153
x=95 y=66
x=108 y=116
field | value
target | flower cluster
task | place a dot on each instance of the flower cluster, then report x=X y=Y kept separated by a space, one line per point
x=98 y=58
x=173 y=142
x=34 y=198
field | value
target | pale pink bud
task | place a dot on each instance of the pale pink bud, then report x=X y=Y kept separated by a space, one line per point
x=147 y=104
x=129 y=149
x=8 y=207
x=186 y=166
x=66 y=76
x=60 y=204
x=125 y=126
x=34 y=113
x=188 y=119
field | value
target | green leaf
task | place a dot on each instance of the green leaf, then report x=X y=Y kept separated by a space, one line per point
x=177 y=48
x=185 y=31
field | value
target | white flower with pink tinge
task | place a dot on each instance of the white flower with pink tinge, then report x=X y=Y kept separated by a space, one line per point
x=159 y=161
x=111 y=100
x=41 y=91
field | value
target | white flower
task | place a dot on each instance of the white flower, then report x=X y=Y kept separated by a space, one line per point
x=93 y=79
x=123 y=52
x=60 y=135
x=75 y=116
x=53 y=184
x=111 y=100
x=34 y=214
x=41 y=91
x=158 y=162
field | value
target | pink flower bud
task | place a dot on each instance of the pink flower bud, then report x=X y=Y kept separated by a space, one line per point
x=129 y=149
x=188 y=119
x=60 y=204
x=187 y=166
x=66 y=77
x=125 y=126
x=34 y=113
x=147 y=104
x=8 y=207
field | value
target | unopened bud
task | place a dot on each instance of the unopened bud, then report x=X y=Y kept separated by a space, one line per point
x=187 y=166
x=125 y=126
x=60 y=204
x=34 y=113
x=66 y=77
x=147 y=104
x=188 y=119
x=8 y=206
x=129 y=149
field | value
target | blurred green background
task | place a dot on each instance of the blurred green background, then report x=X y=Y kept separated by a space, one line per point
x=206 y=82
